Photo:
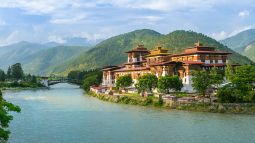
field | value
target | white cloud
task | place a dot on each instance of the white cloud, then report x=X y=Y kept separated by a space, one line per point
x=223 y=35
x=36 y=6
x=11 y=38
x=241 y=29
x=164 y=5
x=69 y=20
x=57 y=39
x=51 y=6
x=220 y=35
x=244 y=13
x=2 y=23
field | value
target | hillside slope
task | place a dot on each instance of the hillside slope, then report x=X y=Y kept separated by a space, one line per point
x=242 y=43
x=111 y=51
x=249 y=51
x=42 y=62
x=18 y=52
x=239 y=41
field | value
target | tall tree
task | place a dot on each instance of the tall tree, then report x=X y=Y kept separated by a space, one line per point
x=2 y=75
x=5 y=117
x=34 y=79
x=216 y=77
x=124 y=81
x=9 y=72
x=244 y=78
x=229 y=72
x=93 y=77
x=147 y=83
x=17 y=71
x=201 y=81
x=166 y=83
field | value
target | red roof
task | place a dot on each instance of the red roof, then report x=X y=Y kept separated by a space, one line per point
x=162 y=63
x=138 y=50
x=192 y=62
x=201 y=52
x=108 y=68
x=132 y=69
x=130 y=63
x=98 y=87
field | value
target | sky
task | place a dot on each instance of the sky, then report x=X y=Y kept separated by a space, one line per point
x=54 y=20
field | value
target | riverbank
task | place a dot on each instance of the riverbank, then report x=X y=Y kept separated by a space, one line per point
x=236 y=108
x=21 y=86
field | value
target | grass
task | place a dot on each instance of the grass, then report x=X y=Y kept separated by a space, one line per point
x=132 y=99
x=181 y=94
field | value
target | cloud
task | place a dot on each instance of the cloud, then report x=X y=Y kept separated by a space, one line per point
x=223 y=35
x=36 y=6
x=57 y=39
x=54 y=20
x=102 y=33
x=244 y=13
x=165 y=5
x=11 y=38
x=69 y=20
x=219 y=36
x=51 y=6
x=2 y=23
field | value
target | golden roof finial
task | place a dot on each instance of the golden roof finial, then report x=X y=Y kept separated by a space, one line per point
x=198 y=44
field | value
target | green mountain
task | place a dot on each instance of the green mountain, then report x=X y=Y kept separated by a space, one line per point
x=44 y=61
x=18 y=52
x=243 y=43
x=111 y=51
x=249 y=51
x=239 y=41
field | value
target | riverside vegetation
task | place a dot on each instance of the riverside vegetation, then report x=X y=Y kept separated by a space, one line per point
x=15 y=78
x=236 y=96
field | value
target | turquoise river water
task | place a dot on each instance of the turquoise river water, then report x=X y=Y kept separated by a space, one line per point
x=64 y=114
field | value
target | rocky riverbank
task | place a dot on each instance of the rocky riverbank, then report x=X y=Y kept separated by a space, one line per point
x=239 y=108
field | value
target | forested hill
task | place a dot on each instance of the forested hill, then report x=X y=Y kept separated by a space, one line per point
x=112 y=50
x=243 y=43
x=239 y=41
x=44 y=61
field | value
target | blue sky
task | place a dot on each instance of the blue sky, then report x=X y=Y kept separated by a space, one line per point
x=53 y=20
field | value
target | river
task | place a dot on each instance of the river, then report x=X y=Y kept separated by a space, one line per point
x=65 y=114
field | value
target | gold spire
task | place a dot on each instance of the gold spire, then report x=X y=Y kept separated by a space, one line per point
x=198 y=44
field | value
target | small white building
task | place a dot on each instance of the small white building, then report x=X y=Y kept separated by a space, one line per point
x=45 y=81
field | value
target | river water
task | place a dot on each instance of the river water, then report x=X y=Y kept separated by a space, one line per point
x=64 y=114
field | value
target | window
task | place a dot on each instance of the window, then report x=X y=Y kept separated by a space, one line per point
x=202 y=58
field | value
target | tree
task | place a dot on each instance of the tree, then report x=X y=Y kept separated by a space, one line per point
x=9 y=72
x=147 y=83
x=244 y=78
x=5 y=117
x=124 y=81
x=89 y=81
x=229 y=72
x=34 y=79
x=244 y=74
x=166 y=83
x=2 y=75
x=17 y=71
x=93 y=77
x=201 y=81
x=216 y=77
x=241 y=88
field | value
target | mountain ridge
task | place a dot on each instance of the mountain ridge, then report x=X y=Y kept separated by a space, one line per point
x=112 y=51
x=242 y=43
